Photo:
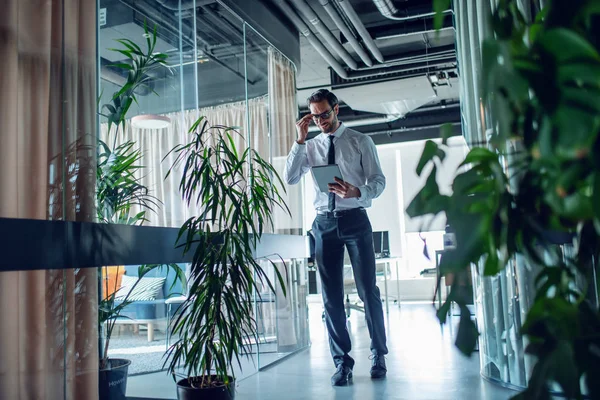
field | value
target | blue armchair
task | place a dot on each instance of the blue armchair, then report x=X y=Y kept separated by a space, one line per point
x=153 y=311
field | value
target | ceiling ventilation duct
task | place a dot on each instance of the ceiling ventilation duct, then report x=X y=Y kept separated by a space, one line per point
x=397 y=97
x=180 y=5
x=337 y=20
x=360 y=28
x=388 y=10
x=325 y=32
x=301 y=26
x=384 y=119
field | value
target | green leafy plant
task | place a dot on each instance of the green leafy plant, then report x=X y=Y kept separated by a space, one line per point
x=535 y=188
x=235 y=193
x=119 y=187
x=139 y=66
x=111 y=307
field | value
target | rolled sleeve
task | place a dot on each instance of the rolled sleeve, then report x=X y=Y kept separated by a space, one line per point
x=297 y=148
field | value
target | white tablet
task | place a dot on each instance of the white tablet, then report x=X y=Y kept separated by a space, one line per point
x=325 y=174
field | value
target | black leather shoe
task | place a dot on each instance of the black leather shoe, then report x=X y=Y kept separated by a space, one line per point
x=342 y=376
x=378 y=368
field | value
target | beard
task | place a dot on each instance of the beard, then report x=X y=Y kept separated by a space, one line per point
x=330 y=126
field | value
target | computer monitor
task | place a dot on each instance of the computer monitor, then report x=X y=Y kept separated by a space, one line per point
x=381 y=244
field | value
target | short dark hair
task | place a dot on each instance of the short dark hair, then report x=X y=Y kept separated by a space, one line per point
x=323 y=94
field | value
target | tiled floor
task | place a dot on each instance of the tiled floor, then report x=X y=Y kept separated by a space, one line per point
x=423 y=364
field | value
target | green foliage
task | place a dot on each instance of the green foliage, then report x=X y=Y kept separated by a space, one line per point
x=537 y=186
x=140 y=63
x=439 y=6
x=235 y=194
x=118 y=189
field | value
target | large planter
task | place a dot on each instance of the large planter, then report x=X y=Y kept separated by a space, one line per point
x=113 y=380
x=186 y=392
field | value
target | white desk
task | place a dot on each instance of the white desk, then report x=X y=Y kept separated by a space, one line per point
x=387 y=261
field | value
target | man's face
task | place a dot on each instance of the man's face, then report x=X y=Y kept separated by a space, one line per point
x=324 y=116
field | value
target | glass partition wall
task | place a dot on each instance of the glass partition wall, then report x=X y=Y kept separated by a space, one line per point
x=68 y=67
x=218 y=67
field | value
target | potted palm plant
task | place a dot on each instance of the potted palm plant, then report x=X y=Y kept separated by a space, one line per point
x=119 y=190
x=236 y=192
x=535 y=187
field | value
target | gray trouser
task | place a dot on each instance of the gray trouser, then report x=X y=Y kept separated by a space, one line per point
x=353 y=230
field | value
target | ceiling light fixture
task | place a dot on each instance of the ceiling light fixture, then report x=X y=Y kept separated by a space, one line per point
x=150 y=121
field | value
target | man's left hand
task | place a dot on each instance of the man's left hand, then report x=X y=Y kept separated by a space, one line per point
x=344 y=189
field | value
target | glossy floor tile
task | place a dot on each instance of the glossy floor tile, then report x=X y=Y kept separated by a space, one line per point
x=423 y=364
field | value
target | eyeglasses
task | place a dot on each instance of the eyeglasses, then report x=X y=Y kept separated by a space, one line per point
x=324 y=115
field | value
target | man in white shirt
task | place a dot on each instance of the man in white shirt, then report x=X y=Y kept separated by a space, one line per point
x=342 y=221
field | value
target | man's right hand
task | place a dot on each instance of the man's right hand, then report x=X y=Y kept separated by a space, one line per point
x=302 y=128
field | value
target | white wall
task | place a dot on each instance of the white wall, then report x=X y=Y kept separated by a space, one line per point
x=410 y=153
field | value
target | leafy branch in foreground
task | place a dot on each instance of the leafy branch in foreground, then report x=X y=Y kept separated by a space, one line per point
x=536 y=190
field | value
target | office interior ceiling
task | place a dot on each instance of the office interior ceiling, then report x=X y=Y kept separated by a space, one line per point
x=226 y=54
x=416 y=67
x=417 y=77
x=130 y=30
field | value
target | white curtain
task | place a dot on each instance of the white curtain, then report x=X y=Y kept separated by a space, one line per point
x=156 y=144
x=48 y=319
x=283 y=112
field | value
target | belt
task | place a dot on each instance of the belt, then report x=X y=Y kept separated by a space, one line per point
x=340 y=213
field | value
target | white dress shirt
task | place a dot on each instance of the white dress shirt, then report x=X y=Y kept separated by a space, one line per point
x=355 y=154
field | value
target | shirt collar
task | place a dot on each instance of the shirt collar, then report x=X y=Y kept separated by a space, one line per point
x=339 y=132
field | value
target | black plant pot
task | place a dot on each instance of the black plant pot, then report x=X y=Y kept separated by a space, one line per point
x=113 y=380
x=186 y=392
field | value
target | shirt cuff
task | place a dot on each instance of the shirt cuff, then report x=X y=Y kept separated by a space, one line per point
x=363 y=193
x=296 y=148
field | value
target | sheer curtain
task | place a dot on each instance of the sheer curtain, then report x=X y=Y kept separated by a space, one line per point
x=48 y=319
x=283 y=112
x=156 y=144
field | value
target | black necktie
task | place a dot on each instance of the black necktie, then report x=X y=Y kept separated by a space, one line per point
x=331 y=160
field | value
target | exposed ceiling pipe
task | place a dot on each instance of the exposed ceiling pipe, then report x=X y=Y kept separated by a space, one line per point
x=360 y=28
x=325 y=32
x=402 y=68
x=180 y=5
x=411 y=128
x=444 y=104
x=388 y=10
x=187 y=34
x=437 y=53
x=383 y=119
x=301 y=26
x=337 y=20
x=215 y=29
x=421 y=32
x=223 y=23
